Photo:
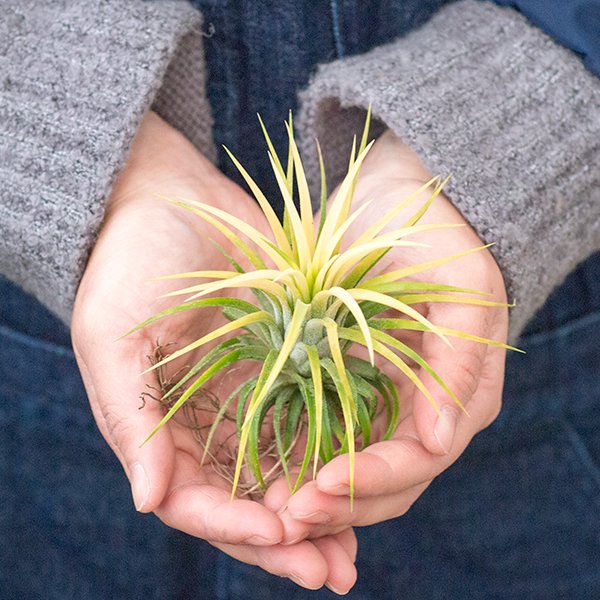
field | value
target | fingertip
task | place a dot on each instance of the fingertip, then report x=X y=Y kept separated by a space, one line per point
x=140 y=487
x=277 y=495
x=445 y=428
x=342 y=574
x=311 y=569
x=436 y=429
x=333 y=478
x=150 y=473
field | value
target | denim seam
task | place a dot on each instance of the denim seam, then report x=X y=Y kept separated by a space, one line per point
x=538 y=339
x=35 y=342
x=337 y=33
x=583 y=453
x=222 y=579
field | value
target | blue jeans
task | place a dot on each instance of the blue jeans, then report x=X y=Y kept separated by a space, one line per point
x=515 y=517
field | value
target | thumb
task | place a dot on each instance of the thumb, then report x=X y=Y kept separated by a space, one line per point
x=110 y=373
x=458 y=367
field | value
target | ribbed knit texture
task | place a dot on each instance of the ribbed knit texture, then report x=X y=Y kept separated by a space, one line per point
x=76 y=77
x=480 y=93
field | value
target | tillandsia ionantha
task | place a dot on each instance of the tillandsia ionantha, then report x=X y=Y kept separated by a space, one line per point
x=315 y=305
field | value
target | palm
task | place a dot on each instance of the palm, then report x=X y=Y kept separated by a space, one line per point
x=144 y=237
x=390 y=475
x=141 y=239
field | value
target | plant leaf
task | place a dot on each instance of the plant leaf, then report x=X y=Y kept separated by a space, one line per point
x=261 y=391
x=255 y=317
x=371 y=296
x=315 y=371
x=267 y=209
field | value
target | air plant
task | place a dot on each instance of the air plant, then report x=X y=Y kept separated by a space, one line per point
x=314 y=305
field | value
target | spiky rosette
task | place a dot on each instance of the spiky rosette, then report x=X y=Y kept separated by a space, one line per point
x=314 y=304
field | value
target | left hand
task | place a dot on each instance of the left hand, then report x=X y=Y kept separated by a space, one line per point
x=143 y=236
x=391 y=475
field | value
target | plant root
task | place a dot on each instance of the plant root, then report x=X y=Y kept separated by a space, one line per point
x=192 y=415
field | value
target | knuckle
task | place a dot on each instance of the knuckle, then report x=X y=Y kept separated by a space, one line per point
x=118 y=428
x=466 y=374
x=497 y=408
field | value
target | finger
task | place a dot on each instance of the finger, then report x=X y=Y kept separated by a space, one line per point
x=395 y=465
x=303 y=563
x=276 y=499
x=295 y=530
x=347 y=538
x=277 y=495
x=326 y=512
x=384 y=467
x=341 y=570
x=196 y=506
x=459 y=368
x=111 y=376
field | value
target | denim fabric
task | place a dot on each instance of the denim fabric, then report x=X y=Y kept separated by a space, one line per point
x=574 y=23
x=516 y=517
x=263 y=52
x=68 y=528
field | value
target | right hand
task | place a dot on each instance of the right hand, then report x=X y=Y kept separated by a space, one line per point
x=143 y=237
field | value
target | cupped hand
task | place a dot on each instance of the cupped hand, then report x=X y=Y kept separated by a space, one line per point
x=144 y=237
x=390 y=475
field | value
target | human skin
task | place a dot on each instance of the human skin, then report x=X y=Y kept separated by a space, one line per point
x=308 y=537
x=391 y=475
x=142 y=237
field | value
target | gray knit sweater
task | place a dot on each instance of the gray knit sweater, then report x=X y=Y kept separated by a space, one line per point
x=477 y=91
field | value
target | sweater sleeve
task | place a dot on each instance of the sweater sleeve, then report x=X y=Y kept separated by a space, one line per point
x=480 y=93
x=76 y=77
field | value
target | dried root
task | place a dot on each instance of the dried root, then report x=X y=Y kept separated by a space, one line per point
x=192 y=415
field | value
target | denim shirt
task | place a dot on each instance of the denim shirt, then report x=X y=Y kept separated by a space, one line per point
x=517 y=515
x=263 y=52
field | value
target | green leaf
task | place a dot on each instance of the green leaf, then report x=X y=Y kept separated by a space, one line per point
x=340 y=381
x=282 y=450
x=315 y=370
x=309 y=402
x=246 y=388
x=256 y=261
x=255 y=317
x=206 y=302
x=392 y=403
x=206 y=361
x=397 y=287
x=420 y=267
x=262 y=389
x=382 y=350
x=223 y=362
x=326 y=451
x=419 y=298
x=292 y=419
x=254 y=440
x=265 y=206
x=323 y=201
x=414 y=326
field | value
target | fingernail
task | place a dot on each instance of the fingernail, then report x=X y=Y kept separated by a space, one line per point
x=294 y=541
x=336 y=590
x=317 y=516
x=338 y=489
x=140 y=486
x=259 y=540
x=297 y=580
x=445 y=428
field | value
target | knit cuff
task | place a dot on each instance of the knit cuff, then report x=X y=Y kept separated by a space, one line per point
x=78 y=76
x=480 y=93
